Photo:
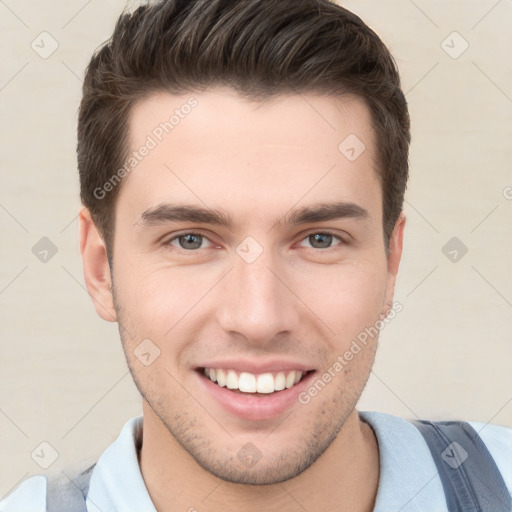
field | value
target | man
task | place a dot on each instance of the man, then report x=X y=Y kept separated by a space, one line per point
x=243 y=167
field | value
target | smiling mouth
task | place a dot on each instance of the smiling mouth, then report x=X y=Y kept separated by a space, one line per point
x=249 y=383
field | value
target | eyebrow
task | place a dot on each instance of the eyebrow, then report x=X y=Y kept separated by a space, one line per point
x=308 y=214
x=323 y=212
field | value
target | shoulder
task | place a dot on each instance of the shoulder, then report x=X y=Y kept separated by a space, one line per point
x=41 y=493
x=498 y=441
x=407 y=464
x=30 y=495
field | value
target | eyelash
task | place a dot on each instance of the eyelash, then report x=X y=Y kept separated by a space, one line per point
x=330 y=233
x=307 y=235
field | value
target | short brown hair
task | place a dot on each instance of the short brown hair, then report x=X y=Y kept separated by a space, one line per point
x=261 y=48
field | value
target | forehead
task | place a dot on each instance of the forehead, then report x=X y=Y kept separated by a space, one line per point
x=294 y=118
x=216 y=148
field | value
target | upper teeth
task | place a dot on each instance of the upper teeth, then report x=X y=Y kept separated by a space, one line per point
x=250 y=383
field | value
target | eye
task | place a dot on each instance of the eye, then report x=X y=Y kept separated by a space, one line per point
x=188 y=241
x=321 y=240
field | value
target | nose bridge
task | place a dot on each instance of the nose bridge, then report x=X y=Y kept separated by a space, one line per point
x=255 y=302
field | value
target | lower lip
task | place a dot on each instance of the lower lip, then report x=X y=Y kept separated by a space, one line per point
x=253 y=407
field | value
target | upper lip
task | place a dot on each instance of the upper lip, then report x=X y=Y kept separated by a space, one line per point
x=256 y=367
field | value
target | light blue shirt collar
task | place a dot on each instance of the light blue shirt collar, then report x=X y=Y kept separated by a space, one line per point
x=116 y=483
x=408 y=477
x=409 y=481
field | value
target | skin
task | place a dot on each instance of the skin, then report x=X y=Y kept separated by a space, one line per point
x=257 y=161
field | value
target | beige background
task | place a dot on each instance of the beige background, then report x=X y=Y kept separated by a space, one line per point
x=63 y=377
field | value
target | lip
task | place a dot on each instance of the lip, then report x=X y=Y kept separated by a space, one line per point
x=256 y=368
x=252 y=406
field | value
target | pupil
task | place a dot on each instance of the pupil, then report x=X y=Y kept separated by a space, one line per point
x=324 y=239
x=191 y=241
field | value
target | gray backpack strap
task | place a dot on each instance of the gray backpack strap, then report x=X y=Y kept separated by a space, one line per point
x=471 y=480
x=68 y=494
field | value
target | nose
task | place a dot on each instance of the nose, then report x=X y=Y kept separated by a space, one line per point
x=256 y=301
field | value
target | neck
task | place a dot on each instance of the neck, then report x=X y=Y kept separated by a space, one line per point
x=344 y=478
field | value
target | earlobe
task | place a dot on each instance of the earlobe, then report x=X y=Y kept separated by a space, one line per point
x=394 y=257
x=96 y=268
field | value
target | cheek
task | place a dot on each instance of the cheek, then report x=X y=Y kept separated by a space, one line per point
x=156 y=300
x=160 y=301
x=347 y=297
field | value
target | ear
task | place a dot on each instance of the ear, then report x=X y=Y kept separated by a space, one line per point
x=96 y=268
x=394 y=257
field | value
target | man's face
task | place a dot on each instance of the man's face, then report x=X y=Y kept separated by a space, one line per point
x=273 y=290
